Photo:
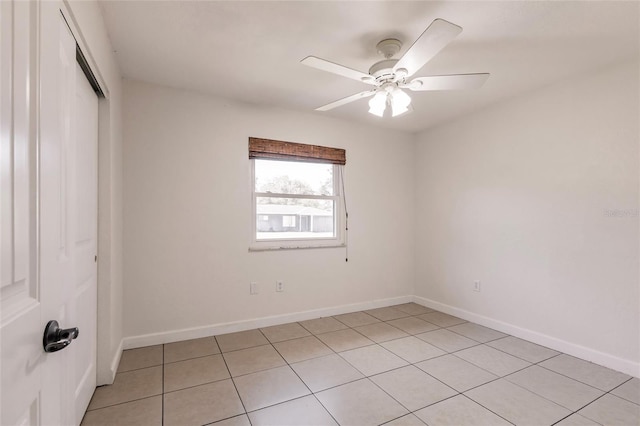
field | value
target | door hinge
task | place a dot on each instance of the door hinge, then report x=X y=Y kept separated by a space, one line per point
x=95 y=258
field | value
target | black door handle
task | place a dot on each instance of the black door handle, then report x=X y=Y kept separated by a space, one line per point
x=56 y=338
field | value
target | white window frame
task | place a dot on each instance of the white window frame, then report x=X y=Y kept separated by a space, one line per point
x=300 y=243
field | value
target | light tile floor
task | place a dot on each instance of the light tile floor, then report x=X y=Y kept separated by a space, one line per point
x=401 y=365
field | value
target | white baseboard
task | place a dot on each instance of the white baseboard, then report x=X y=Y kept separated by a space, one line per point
x=108 y=375
x=607 y=360
x=217 y=329
x=116 y=359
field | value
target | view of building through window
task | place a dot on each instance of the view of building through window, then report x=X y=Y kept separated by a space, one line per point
x=294 y=200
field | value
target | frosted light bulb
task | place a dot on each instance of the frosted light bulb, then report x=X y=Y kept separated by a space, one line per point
x=399 y=102
x=378 y=103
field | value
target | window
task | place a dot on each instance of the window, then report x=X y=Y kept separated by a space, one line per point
x=288 y=221
x=296 y=202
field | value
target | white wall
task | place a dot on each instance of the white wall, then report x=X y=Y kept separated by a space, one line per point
x=187 y=216
x=516 y=196
x=85 y=18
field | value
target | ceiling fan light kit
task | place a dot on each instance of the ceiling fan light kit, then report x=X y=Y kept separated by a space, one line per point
x=389 y=76
x=389 y=94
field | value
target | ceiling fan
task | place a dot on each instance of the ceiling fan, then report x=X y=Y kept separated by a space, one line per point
x=392 y=76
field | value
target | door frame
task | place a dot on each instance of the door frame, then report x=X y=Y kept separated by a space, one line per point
x=105 y=365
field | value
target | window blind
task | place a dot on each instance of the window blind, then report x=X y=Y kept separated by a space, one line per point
x=268 y=149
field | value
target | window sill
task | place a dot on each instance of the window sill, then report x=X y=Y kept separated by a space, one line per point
x=288 y=247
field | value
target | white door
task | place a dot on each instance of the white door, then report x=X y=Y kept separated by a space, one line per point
x=45 y=229
x=21 y=354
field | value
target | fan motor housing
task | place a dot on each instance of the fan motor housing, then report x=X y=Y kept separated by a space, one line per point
x=383 y=69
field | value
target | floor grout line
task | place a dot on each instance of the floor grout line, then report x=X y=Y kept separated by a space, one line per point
x=126 y=402
x=233 y=381
x=306 y=385
x=488 y=409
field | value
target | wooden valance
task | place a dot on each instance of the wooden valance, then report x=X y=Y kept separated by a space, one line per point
x=268 y=149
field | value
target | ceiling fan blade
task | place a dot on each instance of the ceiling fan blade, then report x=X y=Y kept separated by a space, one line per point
x=447 y=82
x=433 y=40
x=346 y=100
x=325 y=65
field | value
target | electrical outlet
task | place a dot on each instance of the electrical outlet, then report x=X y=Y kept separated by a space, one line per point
x=253 y=288
x=279 y=286
x=476 y=286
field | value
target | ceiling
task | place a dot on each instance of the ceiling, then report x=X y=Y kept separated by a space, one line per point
x=251 y=51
